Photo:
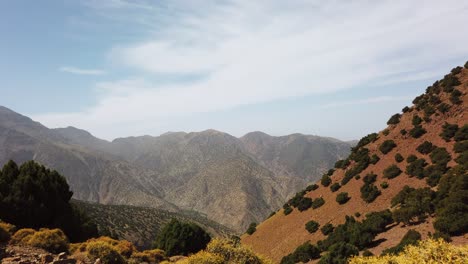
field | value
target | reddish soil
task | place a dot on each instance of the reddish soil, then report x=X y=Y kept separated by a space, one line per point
x=280 y=234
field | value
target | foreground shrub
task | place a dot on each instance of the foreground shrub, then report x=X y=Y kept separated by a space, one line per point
x=105 y=252
x=304 y=253
x=22 y=236
x=52 y=240
x=178 y=238
x=339 y=253
x=427 y=251
x=149 y=256
x=231 y=252
x=203 y=257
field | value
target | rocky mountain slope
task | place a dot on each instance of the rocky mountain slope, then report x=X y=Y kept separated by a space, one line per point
x=418 y=149
x=227 y=178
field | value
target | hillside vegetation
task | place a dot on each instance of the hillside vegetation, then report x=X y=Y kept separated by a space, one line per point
x=410 y=176
x=140 y=225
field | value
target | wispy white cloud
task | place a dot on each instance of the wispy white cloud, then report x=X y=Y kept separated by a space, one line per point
x=249 y=52
x=80 y=71
x=365 y=101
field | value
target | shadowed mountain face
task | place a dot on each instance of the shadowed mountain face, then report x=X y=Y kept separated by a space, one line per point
x=233 y=181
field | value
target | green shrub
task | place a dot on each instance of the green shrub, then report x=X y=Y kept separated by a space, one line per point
x=463 y=160
x=105 y=252
x=365 y=141
x=312 y=226
x=312 y=187
x=425 y=148
x=370 y=178
x=304 y=204
x=391 y=172
x=399 y=158
x=342 y=198
x=411 y=158
x=385 y=132
x=367 y=253
x=416 y=121
x=395 y=119
x=405 y=109
x=369 y=192
x=387 y=146
x=357 y=214
x=460 y=146
x=403 y=132
x=410 y=238
x=339 y=253
x=318 y=203
x=417 y=131
x=413 y=204
x=52 y=240
x=325 y=181
x=335 y=187
x=461 y=134
x=342 y=164
x=443 y=108
x=374 y=159
x=448 y=131
x=416 y=168
x=287 y=209
x=456 y=70
x=327 y=229
x=228 y=251
x=455 y=97
x=384 y=185
x=304 y=253
x=449 y=81
x=178 y=238
x=433 y=174
x=252 y=228
x=440 y=157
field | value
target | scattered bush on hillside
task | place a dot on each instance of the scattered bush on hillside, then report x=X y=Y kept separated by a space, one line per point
x=365 y=141
x=339 y=253
x=357 y=177
x=357 y=214
x=312 y=226
x=460 y=146
x=395 y=119
x=455 y=97
x=426 y=251
x=413 y=205
x=384 y=185
x=312 y=187
x=448 y=131
x=369 y=192
x=399 y=158
x=463 y=160
x=287 y=209
x=325 y=181
x=387 y=146
x=411 y=158
x=342 y=198
x=403 y=132
x=440 y=157
x=416 y=121
x=466 y=65
x=362 y=159
x=335 y=187
x=148 y=256
x=443 y=108
x=327 y=229
x=342 y=164
x=385 y=132
x=391 y=172
x=304 y=253
x=449 y=82
x=416 y=168
x=374 y=159
x=433 y=174
x=425 y=148
x=178 y=238
x=412 y=237
x=318 y=203
x=456 y=70
x=304 y=204
x=52 y=240
x=417 y=131
x=252 y=228
x=461 y=134
x=34 y=196
x=451 y=206
x=405 y=109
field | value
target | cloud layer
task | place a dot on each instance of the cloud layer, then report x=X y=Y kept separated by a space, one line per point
x=250 y=52
x=80 y=71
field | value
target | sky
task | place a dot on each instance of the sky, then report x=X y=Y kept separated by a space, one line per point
x=120 y=68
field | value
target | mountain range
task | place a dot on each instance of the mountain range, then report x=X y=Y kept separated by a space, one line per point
x=234 y=181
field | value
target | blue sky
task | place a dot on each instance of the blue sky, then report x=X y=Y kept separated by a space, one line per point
x=119 y=68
